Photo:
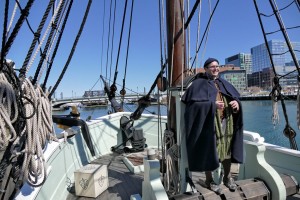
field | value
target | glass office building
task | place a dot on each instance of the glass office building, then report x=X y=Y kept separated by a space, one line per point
x=261 y=59
x=282 y=60
x=242 y=60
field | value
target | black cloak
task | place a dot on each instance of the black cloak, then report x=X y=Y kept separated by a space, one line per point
x=199 y=117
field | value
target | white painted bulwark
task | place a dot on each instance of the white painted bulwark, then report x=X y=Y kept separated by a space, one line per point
x=91 y=180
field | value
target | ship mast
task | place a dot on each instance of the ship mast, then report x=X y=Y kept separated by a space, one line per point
x=176 y=51
x=176 y=69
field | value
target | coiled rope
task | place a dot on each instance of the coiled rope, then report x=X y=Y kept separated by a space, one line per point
x=8 y=112
x=171 y=182
x=38 y=131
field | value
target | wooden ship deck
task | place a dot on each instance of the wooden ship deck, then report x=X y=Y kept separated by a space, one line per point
x=123 y=183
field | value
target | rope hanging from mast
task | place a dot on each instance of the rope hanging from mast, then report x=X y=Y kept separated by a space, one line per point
x=108 y=35
x=25 y=68
x=24 y=15
x=4 y=34
x=54 y=30
x=113 y=87
x=57 y=44
x=276 y=91
x=73 y=48
x=123 y=91
x=35 y=39
x=206 y=29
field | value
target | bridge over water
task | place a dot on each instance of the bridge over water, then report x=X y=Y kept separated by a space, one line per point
x=58 y=103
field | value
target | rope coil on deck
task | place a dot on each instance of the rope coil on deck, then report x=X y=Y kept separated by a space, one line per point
x=171 y=181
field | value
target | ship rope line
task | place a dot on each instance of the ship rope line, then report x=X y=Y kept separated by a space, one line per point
x=26 y=113
x=206 y=39
x=205 y=32
x=108 y=39
x=198 y=36
x=123 y=91
x=103 y=21
x=297 y=2
x=275 y=94
x=24 y=15
x=112 y=40
x=113 y=87
x=35 y=39
x=73 y=48
x=110 y=91
x=49 y=44
x=12 y=18
x=57 y=44
x=161 y=81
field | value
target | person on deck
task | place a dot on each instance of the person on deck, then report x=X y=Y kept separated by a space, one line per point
x=214 y=125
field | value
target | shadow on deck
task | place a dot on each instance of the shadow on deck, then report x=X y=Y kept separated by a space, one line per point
x=123 y=184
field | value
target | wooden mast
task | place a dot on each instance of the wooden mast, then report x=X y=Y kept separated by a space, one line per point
x=176 y=52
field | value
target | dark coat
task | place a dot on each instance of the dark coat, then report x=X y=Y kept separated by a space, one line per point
x=199 y=118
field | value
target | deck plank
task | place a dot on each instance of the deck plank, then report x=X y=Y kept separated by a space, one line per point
x=122 y=182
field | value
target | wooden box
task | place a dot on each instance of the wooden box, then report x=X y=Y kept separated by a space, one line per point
x=91 y=180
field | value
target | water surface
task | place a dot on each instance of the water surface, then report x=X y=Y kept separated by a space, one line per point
x=257 y=118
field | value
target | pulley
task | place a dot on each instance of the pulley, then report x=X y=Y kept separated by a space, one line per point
x=123 y=92
x=113 y=88
x=162 y=83
x=289 y=132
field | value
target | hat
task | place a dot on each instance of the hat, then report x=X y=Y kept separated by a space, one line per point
x=210 y=60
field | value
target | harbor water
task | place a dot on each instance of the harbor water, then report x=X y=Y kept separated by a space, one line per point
x=257 y=118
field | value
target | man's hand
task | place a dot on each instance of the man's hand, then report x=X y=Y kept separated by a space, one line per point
x=235 y=106
x=220 y=105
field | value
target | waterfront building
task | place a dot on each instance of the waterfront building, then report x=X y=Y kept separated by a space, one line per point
x=283 y=63
x=233 y=74
x=242 y=60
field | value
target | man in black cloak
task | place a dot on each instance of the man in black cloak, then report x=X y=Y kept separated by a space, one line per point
x=213 y=124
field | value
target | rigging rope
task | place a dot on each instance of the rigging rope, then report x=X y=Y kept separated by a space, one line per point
x=25 y=69
x=48 y=46
x=35 y=39
x=206 y=29
x=112 y=40
x=102 y=36
x=108 y=36
x=276 y=91
x=24 y=15
x=123 y=92
x=113 y=86
x=4 y=34
x=12 y=18
x=206 y=37
x=73 y=48
x=57 y=44
x=297 y=2
x=198 y=33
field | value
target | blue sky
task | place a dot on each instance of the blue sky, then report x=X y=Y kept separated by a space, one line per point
x=235 y=28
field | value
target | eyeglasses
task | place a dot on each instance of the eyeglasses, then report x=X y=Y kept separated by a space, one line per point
x=214 y=67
